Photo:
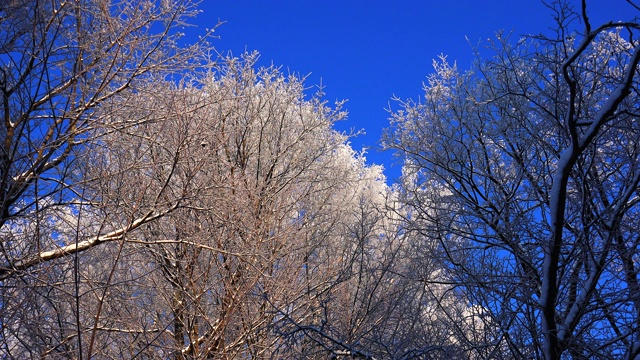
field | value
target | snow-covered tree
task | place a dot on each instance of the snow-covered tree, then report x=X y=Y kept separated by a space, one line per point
x=524 y=173
x=252 y=195
x=59 y=61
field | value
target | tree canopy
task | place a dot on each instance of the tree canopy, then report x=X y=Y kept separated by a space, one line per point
x=156 y=202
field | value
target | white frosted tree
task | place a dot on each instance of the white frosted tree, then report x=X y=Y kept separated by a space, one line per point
x=61 y=61
x=524 y=173
x=251 y=193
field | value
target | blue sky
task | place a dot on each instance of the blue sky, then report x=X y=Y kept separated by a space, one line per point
x=368 y=51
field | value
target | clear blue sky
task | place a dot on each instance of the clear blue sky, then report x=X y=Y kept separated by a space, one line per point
x=368 y=51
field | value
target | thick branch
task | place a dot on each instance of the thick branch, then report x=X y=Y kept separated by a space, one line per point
x=12 y=268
